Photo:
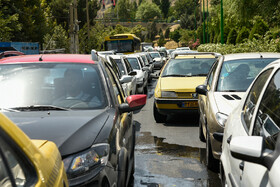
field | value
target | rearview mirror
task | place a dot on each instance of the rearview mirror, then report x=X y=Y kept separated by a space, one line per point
x=201 y=89
x=133 y=102
x=126 y=79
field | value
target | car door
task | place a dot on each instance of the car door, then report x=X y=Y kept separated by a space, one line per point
x=129 y=69
x=243 y=125
x=266 y=123
x=123 y=120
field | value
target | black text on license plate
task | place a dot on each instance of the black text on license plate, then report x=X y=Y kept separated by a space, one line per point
x=189 y=104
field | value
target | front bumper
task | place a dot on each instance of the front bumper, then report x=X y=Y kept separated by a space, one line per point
x=94 y=178
x=172 y=106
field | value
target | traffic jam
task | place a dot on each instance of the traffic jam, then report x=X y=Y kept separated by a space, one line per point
x=158 y=117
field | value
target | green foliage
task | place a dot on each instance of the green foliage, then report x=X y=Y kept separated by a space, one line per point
x=232 y=36
x=119 y=29
x=57 y=40
x=243 y=34
x=263 y=44
x=164 y=7
x=175 y=35
x=161 y=40
x=123 y=7
x=260 y=28
x=187 y=36
x=8 y=25
x=147 y=11
x=171 y=19
x=138 y=30
x=167 y=32
x=152 y=31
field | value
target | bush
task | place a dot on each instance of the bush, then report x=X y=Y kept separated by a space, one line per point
x=242 y=35
x=232 y=36
x=260 y=28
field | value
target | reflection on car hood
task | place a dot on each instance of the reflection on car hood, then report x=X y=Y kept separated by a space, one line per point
x=180 y=84
x=72 y=131
x=227 y=101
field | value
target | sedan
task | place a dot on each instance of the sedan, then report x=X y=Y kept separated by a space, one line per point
x=25 y=162
x=251 y=146
x=223 y=89
x=175 y=89
x=77 y=102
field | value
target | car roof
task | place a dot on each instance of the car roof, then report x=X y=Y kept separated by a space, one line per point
x=116 y=56
x=237 y=56
x=70 y=58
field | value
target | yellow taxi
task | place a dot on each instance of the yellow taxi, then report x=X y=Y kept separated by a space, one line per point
x=175 y=89
x=25 y=162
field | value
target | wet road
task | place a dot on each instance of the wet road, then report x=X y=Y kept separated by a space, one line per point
x=169 y=154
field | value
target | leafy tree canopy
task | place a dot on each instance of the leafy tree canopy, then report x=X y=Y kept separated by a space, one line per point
x=147 y=11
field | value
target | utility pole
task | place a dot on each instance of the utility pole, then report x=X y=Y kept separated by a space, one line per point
x=87 y=18
x=72 y=38
x=203 y=11
x=222 y=23
x=207 y=23
x=76 y=31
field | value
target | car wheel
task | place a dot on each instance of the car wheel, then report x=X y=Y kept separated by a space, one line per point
x=200 y=132
x=146 y=89
x=211 y=163
x=160 y=118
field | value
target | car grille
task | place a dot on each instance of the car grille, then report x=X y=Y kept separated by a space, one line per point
x=184 y=95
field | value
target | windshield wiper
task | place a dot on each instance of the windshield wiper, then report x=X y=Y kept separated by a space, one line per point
x=37 y=108
x=176 y=75
x=201 y=74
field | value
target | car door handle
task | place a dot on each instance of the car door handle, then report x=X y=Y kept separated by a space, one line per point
x=229 y=139
x=241 y=165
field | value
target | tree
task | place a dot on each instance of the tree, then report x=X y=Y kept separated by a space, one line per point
x=175 y=35
x=167 y=32
x=148 y=11
x=152 y=31
x=164 y=7
x=122 y=8
x=161 y=40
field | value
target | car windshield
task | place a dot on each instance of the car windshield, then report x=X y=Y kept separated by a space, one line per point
x=120 y=46
x=120 y=65
x=51 y=86
x=155 y=55
x=134 y=63
x=188 y=67
x=237 y=75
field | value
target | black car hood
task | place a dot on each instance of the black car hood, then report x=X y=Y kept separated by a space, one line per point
x=72 y=131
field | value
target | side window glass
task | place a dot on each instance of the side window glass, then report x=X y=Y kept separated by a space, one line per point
x=118 y=93
x=268 y=117
x=252 y=98
x=14 y=164
x=211 y=75
x=4 y=177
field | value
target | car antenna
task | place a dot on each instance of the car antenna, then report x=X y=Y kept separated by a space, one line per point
x=41 y=59
x=260 y=55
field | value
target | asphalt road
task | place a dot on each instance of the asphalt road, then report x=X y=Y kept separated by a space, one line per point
x=169 y=154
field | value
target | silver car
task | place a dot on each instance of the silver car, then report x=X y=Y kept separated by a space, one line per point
x=226 y=83
x=128 y=78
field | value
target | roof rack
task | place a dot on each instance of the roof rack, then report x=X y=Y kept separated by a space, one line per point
x=176 y=53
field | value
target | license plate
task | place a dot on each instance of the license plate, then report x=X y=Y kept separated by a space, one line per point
x=189 y=104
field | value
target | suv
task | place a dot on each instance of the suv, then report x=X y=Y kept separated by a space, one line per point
x=175 y=89
x=250 y=148
x=223 y=89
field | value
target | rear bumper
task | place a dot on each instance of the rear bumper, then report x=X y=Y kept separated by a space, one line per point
x=174 y=106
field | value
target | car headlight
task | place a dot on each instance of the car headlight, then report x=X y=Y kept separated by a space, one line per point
x=168 y=94
x=83 y=162
x=221 y=119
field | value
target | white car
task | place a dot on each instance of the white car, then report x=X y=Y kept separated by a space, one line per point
x=158 y=60
x=225 y=85
x=128 y=78
x=142 y=73
x=251 y=146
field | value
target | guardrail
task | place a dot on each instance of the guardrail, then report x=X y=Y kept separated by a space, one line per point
x=114 y=20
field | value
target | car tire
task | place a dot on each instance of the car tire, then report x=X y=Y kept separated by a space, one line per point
x=145 y=90
x=211 y=163
x=160 y=118
x=200 y=132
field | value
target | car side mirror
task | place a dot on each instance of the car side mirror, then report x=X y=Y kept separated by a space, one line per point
x=251 y=149
x=154 y=60
x=126 y=79
x=132 y=73
x=145 y=69
x=201 y=89
x=133 y=102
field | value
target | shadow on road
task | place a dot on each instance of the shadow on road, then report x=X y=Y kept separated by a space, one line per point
x=180 y=120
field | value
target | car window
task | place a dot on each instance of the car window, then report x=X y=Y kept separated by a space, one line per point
x=115 y=67
x=267 y=122
x=14 y=162
x=65 y=85
x=252 y=98
x=155 y=55
x=188 y=66
x=121 y=66
x=141 y=62
x=128 y=66
x=237 y=75
x=117 y=89
x=134 y=63
x=211 y=75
